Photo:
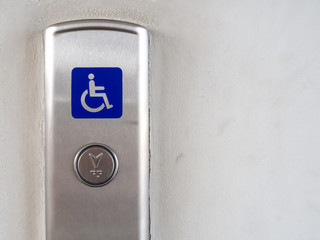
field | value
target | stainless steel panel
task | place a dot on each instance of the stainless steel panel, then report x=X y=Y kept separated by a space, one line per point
x=120 y=209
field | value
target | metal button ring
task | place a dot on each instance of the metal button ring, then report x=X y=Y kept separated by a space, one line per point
x=96 y=165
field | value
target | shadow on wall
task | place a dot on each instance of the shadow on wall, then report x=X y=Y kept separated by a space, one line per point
x=33 y=135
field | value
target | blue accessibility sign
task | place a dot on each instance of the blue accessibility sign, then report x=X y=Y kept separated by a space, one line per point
x=96 y=92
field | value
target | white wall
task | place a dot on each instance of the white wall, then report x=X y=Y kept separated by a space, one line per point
x=235 y=115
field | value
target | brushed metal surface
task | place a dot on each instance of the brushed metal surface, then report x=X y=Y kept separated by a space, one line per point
x=120 y=209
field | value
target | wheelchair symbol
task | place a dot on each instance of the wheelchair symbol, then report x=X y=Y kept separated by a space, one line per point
x=92 y=93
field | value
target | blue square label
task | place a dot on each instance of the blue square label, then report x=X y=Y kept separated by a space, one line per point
x=96 y=92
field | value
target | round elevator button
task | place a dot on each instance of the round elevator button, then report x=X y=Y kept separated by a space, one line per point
x=96 y=165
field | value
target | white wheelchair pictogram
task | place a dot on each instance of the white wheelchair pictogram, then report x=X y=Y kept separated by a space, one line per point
x=92 y=93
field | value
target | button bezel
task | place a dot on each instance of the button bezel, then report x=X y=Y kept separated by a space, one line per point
x=104 y=147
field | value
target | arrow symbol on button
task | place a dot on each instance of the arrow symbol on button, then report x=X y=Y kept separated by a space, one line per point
x=95 y=159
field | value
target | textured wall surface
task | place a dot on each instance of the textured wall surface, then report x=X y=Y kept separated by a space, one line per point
x=235 y=116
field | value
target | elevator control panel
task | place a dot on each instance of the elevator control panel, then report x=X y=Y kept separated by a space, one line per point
x=97 y=123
